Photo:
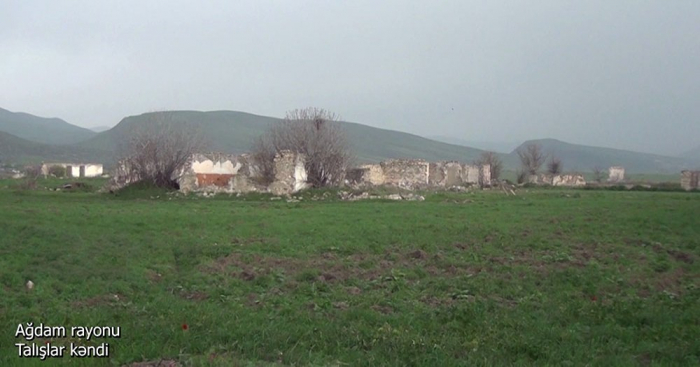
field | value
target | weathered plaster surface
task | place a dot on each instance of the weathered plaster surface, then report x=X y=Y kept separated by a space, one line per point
x=690 y=180
x=616 y=174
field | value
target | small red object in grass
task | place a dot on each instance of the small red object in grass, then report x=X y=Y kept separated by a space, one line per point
x=594 y=298
x=184 y=326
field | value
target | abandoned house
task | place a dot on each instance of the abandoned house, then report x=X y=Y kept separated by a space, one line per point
x=75 y=169
x=616 y=174
x=689 y=180
x=221 y=172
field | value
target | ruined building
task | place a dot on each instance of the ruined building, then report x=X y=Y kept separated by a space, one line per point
x=75 y=169
x=564 y=179
x=416 y=174
x=220 y=172
x=690 y=180
x=616 y=174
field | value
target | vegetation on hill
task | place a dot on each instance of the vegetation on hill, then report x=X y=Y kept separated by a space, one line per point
x=16 y=150
x=235 y=132
x=42 y=130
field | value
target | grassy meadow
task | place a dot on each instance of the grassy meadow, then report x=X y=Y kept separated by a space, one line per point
x=548 y=277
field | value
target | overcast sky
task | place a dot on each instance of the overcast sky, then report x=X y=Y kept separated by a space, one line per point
x=612 y=73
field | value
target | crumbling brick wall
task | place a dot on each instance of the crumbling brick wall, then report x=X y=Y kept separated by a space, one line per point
x=216 y=172
x=220 y=172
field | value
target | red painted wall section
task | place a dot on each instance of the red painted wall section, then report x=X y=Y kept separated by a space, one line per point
x=213 y=179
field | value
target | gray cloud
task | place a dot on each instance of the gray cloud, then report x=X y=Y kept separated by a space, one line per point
x=612 y=73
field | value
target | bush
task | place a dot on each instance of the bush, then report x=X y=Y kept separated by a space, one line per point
x=57 y=171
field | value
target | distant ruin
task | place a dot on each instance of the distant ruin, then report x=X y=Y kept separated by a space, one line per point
x=564 y=179
x=75 y=169
x=690 y=180
x=616 y=174
x=416 y=174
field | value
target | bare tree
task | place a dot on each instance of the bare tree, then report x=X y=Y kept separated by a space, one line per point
x=598 y=174
x=31 y=176
x=531 y=158
x=316 y=134
x=158 y=150
x=491 y=159
x=555 y=165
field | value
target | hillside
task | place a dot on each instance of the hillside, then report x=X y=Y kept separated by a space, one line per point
x=235 y=132
x=693 y=154
x=583 y=158
x=99 y=129
x=493 y=146
x=42 y=130
x=15 y=150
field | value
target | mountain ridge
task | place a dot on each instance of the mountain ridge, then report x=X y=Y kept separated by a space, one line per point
x=235 y=131
x=42 y=129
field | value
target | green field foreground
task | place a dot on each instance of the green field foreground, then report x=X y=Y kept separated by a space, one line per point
x=548 y=277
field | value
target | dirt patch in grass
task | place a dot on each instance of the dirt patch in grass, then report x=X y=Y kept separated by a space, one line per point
x=681 y=256
x=383 y=309
x=194 y=296
x=153 y=276
x=433 y=301
x=103 y=300
x=331 y=267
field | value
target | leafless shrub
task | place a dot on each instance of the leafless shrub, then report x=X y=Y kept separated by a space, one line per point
x=31 y=176
x=555 y=166
x=264 y=157
x=316 y=134
x=158 y=150
x=531 y=158
x=521 y=176
x=57 y=171
x=598 y=174
x=491 y=159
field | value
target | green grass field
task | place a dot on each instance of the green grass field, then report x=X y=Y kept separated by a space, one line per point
x=549 y=277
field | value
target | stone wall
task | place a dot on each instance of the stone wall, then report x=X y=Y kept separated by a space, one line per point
x=217 y=172
x=367 y=175
x=565 y=179
x=616 y=174
x=569 y=180
x=290 y=173
x=220 y=172
x=690 y=180
x=415 y=174
x=405 y=173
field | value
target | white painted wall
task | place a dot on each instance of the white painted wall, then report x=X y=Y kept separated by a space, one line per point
x=220 y=167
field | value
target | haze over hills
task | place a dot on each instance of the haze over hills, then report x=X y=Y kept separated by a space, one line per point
x=99 y=129
x=235 y=132
x=493 y=146
x=584 y=158
x=693 y=154
x=41 y=129
x=14 y=149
